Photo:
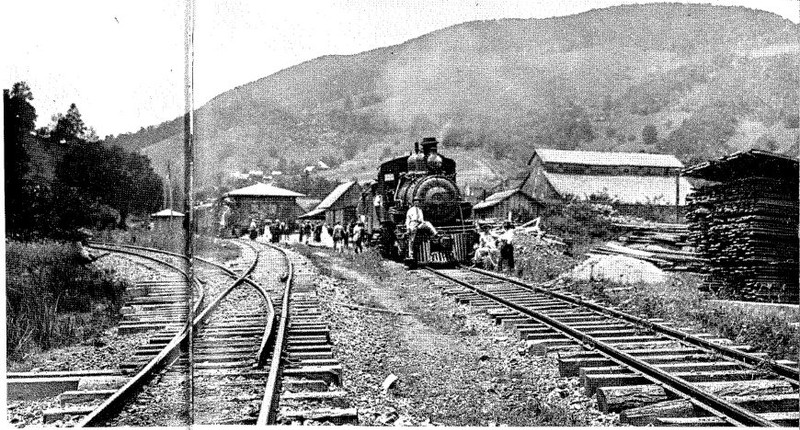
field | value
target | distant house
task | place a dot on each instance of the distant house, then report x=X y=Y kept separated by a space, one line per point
x=517 y=203
x=338 y=206
x=262 y=202
x=166 y=221
x=637 y=181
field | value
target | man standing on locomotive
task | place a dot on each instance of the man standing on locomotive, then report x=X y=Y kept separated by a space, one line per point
x=415 y=221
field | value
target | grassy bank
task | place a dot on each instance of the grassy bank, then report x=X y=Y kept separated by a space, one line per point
x=53 y=300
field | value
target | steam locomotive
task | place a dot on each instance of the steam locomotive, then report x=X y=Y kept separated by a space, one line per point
x=429 y=179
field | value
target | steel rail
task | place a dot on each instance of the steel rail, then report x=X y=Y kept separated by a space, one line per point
x=268 y=413
x=167 y=356
x=792 y=375
x=266 y=340
x=169 y=353
x=734 y=414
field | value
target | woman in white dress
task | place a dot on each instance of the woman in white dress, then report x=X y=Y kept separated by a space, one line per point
x=267 y=234
x=325 y=238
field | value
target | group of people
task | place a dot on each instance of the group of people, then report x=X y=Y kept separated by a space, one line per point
x=340 y=236
x=350 y=234
x=272 y=231
x=495 y=249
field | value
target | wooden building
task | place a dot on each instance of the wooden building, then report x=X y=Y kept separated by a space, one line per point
x=167 y=221
x=338 y=206
x=641 y=184
x=521 y=206
x=261 y=202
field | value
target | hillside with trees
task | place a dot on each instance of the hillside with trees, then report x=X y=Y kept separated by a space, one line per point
x=649 y=78
x=62 y=178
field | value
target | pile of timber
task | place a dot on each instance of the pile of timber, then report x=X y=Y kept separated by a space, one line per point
x=663 y=258
x=663 y=244
x=747 y=230
x=653 y=233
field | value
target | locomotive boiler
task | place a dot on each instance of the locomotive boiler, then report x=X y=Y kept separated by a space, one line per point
x=428 y=178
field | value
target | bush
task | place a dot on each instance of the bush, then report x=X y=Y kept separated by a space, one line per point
x=539 y=262
x=54 y=300
x=581 y=222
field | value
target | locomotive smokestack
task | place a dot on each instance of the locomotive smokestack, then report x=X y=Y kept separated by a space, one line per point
x=428 y=144
x=416 y=147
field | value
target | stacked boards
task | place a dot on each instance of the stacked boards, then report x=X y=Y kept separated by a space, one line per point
x=744 y=221
x=664 y=244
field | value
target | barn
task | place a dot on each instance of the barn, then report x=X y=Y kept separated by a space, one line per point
x=520 y=205
x=646 y=185
x=338 y=206
x=261 y=202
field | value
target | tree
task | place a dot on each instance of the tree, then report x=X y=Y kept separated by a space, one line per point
x=19 y=118
x=69 y=126
x=649 y=135
x=24 y=114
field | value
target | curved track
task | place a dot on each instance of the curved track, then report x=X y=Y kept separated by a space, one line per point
x=652 y=372
x=174 y=359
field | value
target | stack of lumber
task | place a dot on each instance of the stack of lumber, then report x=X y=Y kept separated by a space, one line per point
x=663 y=244
x=651 y=233
x=663 y=258
x=747 y=230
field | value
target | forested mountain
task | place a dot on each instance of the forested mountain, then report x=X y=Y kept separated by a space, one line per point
x=696 y=81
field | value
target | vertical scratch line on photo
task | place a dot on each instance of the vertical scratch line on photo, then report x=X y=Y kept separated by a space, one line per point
x=188 y=130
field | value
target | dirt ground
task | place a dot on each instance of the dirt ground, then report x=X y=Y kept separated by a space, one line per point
x=454 y=367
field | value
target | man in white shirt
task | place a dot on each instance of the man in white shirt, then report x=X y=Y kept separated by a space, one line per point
x=485 y=250
x=415 y=220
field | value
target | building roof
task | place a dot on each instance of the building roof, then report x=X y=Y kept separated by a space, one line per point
x=166 y=213
x=307 y=204
x=658 y=190
x=597 y=158
x=744 y=164
x=264 y=190
x=497 y=198
x=335 y=195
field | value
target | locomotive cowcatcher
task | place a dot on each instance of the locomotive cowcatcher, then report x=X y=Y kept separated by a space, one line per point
x=429 y=179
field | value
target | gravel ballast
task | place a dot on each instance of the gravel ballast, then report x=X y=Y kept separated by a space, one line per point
x=454 y=366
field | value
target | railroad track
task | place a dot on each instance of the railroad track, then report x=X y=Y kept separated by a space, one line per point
x=305 y=379
x=229 y=336
x=647 y=370
x=161 y=304
x=247 y=366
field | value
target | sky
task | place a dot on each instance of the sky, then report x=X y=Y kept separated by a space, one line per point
x=122 y=62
